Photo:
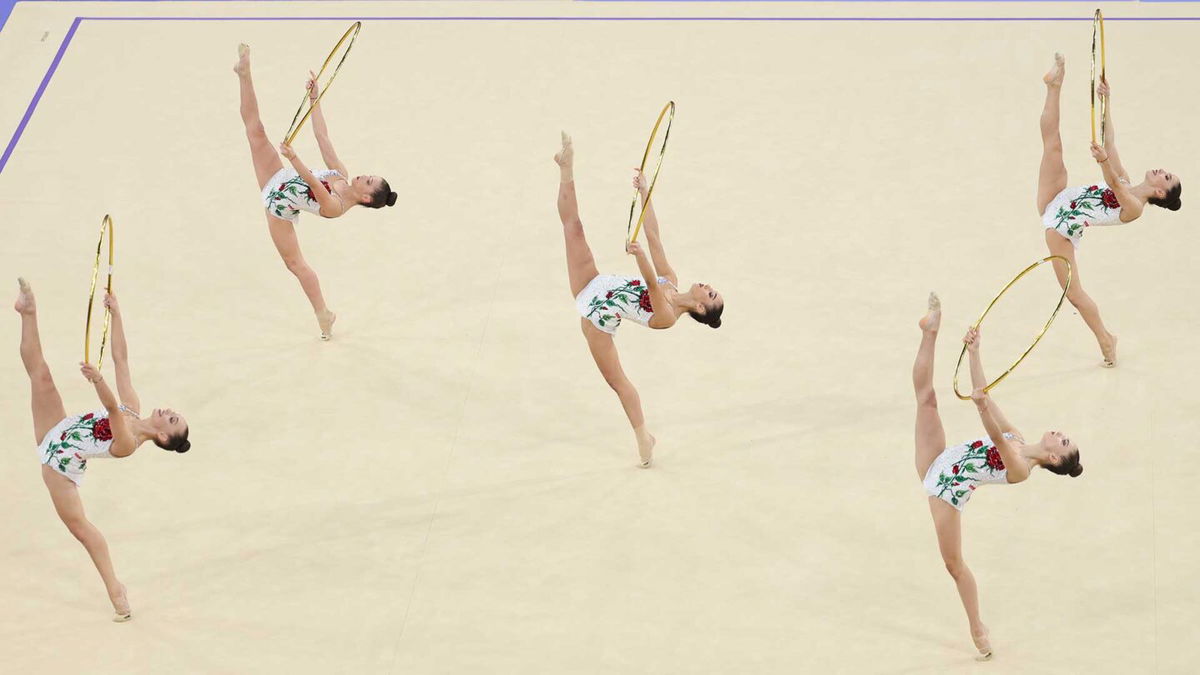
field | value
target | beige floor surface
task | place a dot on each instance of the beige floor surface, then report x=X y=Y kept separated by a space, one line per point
x=449 y=487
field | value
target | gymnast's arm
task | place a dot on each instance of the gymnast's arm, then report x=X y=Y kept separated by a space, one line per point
x=658 y=296
x=1018 y=470
x=321 y=131
x=330 y=206
x=653 y=238
x=1131 y=206
x=979 y=381
x=120 y=356
x=124 y=442
x=1110 y=134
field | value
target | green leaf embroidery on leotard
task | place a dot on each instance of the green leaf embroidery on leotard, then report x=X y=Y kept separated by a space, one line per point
x=1072 y=216
x=971 y=468
x=624 y=298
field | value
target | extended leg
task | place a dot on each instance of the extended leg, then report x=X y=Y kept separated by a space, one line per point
x=581 y=267
x=948 y=522
x=70 y=509
x=1052 y=175
x=266 y=159
x=46 y=403
x=930 y=436
x=1088 y=309
x=283 y=234
x=604 y=352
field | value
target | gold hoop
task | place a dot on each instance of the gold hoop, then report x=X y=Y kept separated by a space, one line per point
x=1027 y=270
x=1098 y=30
x=636 y=229
x=350 y=34
x=106 y=226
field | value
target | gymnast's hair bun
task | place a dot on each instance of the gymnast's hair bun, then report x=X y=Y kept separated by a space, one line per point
x=391 y=199
x=1076 y=471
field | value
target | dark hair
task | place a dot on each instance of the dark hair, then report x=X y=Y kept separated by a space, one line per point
x=177 y=443
x=711 y=315
x=1171 y=201
x=383 y=196
x=1067 y=466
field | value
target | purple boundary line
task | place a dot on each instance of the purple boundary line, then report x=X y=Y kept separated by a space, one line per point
x=729 y=19
x=62 y=49
x=37 y=95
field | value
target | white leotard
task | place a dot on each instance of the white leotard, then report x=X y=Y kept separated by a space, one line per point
x=608 y=300
x=960 y=469
x=1075 y=209
x=286 y=194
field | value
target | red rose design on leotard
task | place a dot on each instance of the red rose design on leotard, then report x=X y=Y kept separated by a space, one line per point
x=1110 y=200
x=87 y=417
x=644 y=303
x=636 y=282
x=993 y=460
x=102 y=431
x=309 y=193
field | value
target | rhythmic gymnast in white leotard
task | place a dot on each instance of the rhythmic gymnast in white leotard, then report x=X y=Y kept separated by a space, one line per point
x=605 y=301
x=1067 y=212
x=952 y=474
x=287 y=192
x=65 y=444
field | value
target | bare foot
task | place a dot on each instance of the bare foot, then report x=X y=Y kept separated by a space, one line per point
x=243 y=65
x=1054 y=78
x=24 y=303
x=1110 y=354
x=565 y=158
x=120 y=603
x=646 y=443
x=982 y=643
x=325 y=320
x=933 y=320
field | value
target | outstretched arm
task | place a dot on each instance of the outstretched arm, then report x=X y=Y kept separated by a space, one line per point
x=653 y=237
x=658 y=296
x=321 y=131
x=1131 y=206
x=1110 y=163
x=1110 y=135
x=331 y=207
x=124 y=442
x=979 y=381
x=120 y=356
x=1018 y=470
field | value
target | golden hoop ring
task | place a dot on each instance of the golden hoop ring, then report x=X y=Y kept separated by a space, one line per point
x=1098 y=30
x=106 y=226
x=668 y=108
x=350 y=34
x=1027 y=270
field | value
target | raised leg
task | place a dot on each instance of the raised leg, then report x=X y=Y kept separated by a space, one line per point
x=1079 y=298
x=283 y=234
x=1052 y=175
x=266 y=159
x=930 y=436
x=947 y=520
x=46 y=403
x=604 y=352
x=65 y=495
x=581 y=267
